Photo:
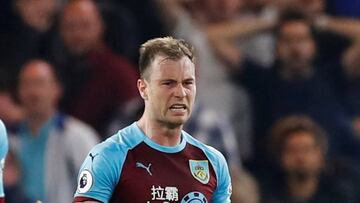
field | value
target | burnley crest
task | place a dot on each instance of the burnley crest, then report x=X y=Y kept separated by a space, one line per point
x=200 y=170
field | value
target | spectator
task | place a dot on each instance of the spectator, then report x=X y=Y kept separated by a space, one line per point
x=299 y=147
x=296 y=84
x=333 y=35
x=97 y=81
x=50 y=146
x=26 y=28
x=349 y=91
x=230 y=101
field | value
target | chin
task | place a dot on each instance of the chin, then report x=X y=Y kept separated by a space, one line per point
x=175 y=123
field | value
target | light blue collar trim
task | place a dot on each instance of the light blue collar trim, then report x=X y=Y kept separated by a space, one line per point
x=156 y=146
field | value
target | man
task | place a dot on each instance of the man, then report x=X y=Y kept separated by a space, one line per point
x=153 y=160
x=299 y=146
x=49 y=145
x=297 y=84
x=96 y=80
x=25 y=34
x=3 y=152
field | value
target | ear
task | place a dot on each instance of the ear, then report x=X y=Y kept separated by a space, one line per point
x=142 y=87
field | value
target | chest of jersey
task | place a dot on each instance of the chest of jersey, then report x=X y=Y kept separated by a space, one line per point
x=151 y=176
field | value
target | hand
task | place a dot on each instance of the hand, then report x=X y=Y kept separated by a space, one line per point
x=356 y=126
x=10 y=112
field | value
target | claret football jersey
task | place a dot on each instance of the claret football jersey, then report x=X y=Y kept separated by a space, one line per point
x=130 y=168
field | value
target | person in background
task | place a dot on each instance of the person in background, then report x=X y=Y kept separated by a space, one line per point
x=303 y=173
x=96 y=81
x=49 y=145
x=26 y=29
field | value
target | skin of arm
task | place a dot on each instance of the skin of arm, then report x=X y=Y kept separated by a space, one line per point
x=223 y=34
x=344 y=26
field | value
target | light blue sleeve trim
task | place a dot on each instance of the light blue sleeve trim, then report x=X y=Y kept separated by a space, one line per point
x=4 y=147
x=223 y=190
x=105 y=162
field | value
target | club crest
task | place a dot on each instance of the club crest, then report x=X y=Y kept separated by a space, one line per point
x=200 y=170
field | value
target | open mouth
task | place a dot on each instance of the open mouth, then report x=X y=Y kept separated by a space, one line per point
x=178 y=107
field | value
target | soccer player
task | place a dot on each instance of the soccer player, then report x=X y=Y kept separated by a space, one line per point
x=3 y=152
x=153 y=160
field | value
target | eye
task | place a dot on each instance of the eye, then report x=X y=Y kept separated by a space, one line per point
x=188 y=82
x=168 y=83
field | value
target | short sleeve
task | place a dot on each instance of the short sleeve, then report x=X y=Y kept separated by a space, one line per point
x=3 y=151
x=223 y=190
x=99 y=175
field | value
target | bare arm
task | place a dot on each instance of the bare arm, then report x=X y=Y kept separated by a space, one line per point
x=222 y=35
x=344 y=26
x=239 y=28
x=170 y=10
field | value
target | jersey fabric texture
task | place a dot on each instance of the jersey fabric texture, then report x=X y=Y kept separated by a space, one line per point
x=130 y=167
x=3 y=151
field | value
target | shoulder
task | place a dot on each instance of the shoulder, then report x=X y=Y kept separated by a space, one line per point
x=74 y=131
x=105 y=161
x=111 y=60
x=76 y=127
x=121 y=142
x=215 y=156
x=2 y=130
x=3 y=140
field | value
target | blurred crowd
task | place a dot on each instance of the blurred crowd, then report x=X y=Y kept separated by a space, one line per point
x=278 y=90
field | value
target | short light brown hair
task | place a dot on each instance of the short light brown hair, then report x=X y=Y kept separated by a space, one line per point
x=172 y=48
x=287 y=126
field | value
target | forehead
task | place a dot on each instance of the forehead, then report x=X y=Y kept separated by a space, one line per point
x=163 y=66
x=300 y=138
x=37 y=70
x=295 y=28
x=80 y=10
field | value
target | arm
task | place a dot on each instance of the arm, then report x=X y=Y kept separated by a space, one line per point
x=171 y=11
x=345 y=26
x=222 y=35
x=98 y=175
x=3 y=151
x=88 y=202
x=223 y=191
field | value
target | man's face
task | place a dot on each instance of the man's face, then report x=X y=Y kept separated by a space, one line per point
x=81 y=27
x=295 y=46
x=38 y=89
x=37 y=13
x=169 y=90
x=301 y=156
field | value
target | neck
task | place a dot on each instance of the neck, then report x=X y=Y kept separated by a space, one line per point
x=302 y=188
x=160 y=133
x=36 y=121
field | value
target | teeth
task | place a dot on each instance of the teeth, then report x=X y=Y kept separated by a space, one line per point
x=178 y=107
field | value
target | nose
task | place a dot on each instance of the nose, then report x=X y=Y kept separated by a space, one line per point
x=180 y=91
